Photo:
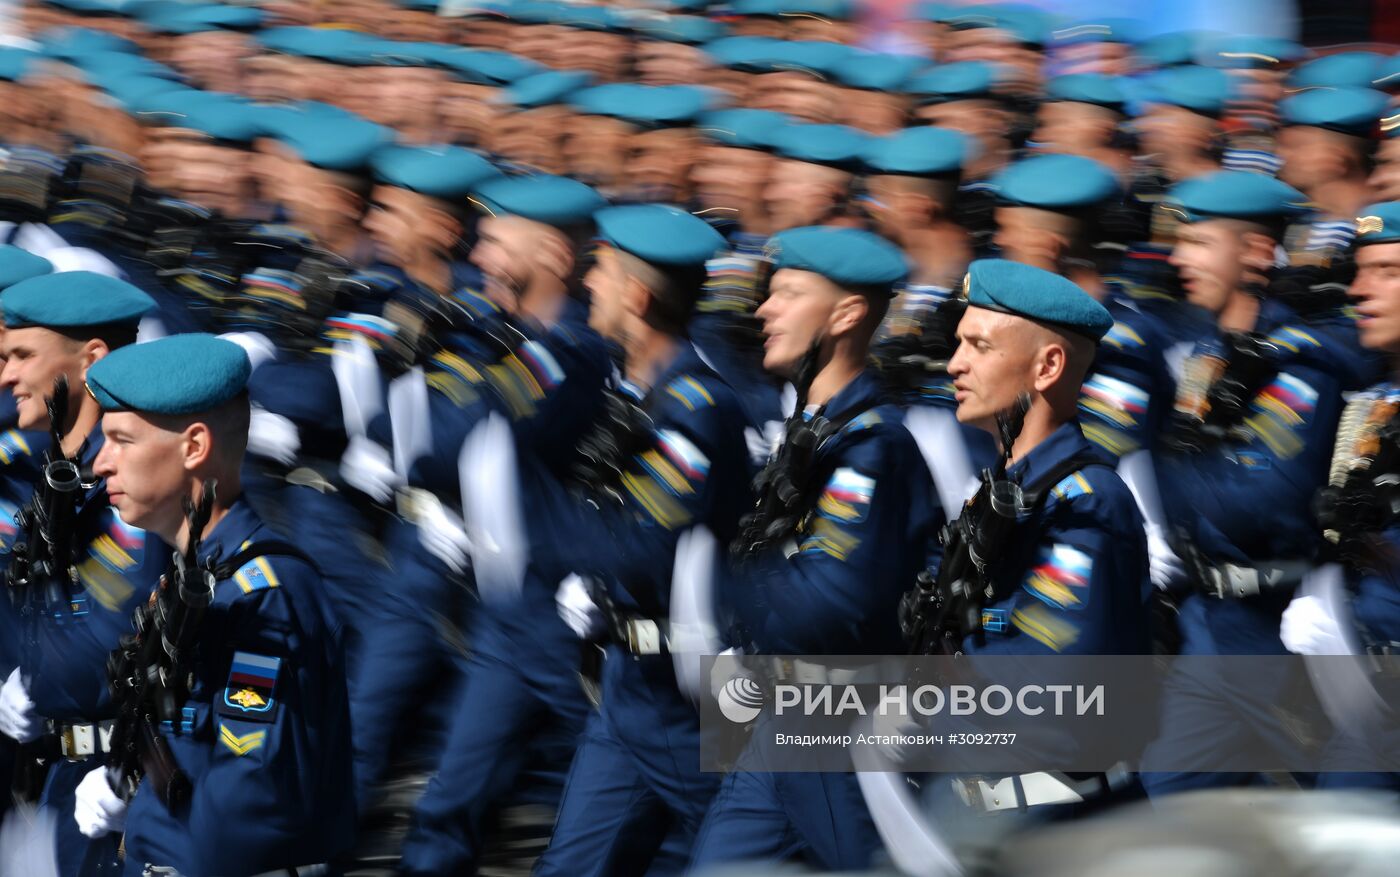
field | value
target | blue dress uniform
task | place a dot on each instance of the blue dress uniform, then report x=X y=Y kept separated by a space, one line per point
x=869 y=535
x=61 y=642
x=521 y=675
x=1241 y=506
x=264 y=735
x=638 y=765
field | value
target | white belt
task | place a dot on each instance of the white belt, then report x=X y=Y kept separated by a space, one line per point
x=642 y=636
x=80 y=741
x=807 y=673
x=1035 y=789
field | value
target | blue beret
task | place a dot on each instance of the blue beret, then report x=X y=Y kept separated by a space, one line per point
x=1025 y=24
x=1056 y=182
x=1170 y=49
x=327 y=140
x=1036 y=294
x=100 y=66
x=1087 y=88
x=647 y=106
x=879 y=72
x=1236 y=195
x=544 y=89
x=552 y=200
x=220 y=116
x=835 y=145
x=187 y=18
x=1204 y=90
x=16 y=63
x=845 y=256
x=601 y=19
x=743 y=127
x=178 y=374
x=810 y=56
x=1099 y=30
x=741 y=52
x=1253 y=53
x=919 y=152
x=837 y=10
x=140 y=95
x=1388 y=74
x=689 y=29
x=1344 y=69
x=1377 y=224
x=17 y=265
x=1348 y=110
x=448 y=172
x=73 y=298
x=480 y=66
x=659 y=234
x=66 y=43
x=751 y=8
x=964 y=80
x=938 y=13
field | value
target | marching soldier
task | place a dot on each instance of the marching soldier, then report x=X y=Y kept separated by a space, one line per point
x=833 y=541
x=262 y=739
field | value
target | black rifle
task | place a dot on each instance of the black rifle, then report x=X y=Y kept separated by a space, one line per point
x=938 y=613
x=150 y=671
x=783 y=486
x=44 y=553
x=1217 y=388
x=911 y=360
x=1354 y=512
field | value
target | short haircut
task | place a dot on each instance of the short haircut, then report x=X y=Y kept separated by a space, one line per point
x=114 y=336
x=674 y=290
x=227 y=422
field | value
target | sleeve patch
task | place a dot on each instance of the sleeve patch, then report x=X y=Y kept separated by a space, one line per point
x=252 y=681
x=1060 y=577
x=1294 y=339
x=864 y=421
x=542 y=364
x=255 y=575
x=846 y=497
x=1119 y=403
x=1280 y=411
x=241 y=744
x=682 y=452
x=1040 y=624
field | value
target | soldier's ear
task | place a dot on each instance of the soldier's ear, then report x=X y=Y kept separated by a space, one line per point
x=1259 y=251
x=1050 y=366
x=850 y=312
x=197 y=447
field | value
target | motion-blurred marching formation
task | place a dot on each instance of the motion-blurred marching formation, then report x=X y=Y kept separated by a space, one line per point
x=569 y=342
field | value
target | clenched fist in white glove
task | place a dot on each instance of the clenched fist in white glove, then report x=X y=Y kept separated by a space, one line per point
x=96 y=808
x=577 y=608
x=443 y=533
x=273 y=436
x=1311 y=628
x=367 y=467
x=17 y=716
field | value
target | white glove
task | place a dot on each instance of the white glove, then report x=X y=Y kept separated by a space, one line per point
x=442 y=533
x=367 y=467
x=17 y=716
x=1165 y=568
x=96 y=808
x=273 y=436
x=256 y=345
x=578 y=609
x=1310 y=628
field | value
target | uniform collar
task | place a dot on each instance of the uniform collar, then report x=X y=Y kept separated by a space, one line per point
x=864 y=392
x=687 y=360
x=1065 y=442
x=233 y=530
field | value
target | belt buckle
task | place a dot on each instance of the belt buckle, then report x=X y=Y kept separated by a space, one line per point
x=78 y=742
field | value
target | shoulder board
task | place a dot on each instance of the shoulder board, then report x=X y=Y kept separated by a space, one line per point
x=690 y=392
x=1071 y=486
x=279 y=232
x=256 y=575
x=476 y=304
x=1294 y=339
x=865 y=420
x=1123 y=336
x=13 y=445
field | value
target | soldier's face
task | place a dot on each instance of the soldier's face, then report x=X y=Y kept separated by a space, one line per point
x=1377 y=293
x=1312 y=156
x=609 y=288
x=801 y=193
x=1386 y=177
x=503 y=252
x=35 y=357
x=1211 y=258
x=143 y=464
x=994 y=363
x=798 y=311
